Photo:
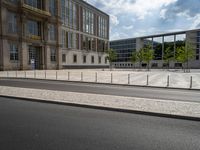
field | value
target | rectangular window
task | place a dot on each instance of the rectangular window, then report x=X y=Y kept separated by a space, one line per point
x=92 y=59
x=75 y=58
x=63 y=58
x=99 y=59
x=69 y=13
x=34 y=3
x=106 y=60
x=84 y=59
x=197 y=57
x=52 y=32
x=53 y=54
x=52 y=7
x=12 y=23
x=88 y=21
x=14 y=52
x=33 y=27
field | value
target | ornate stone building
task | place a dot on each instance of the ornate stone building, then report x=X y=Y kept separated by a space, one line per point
x=51 y=34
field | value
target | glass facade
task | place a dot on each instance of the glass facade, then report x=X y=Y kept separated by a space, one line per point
x=124 y=49
x=198 y=46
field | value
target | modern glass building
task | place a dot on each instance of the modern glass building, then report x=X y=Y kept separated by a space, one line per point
x=159 y=43
x=52 y=34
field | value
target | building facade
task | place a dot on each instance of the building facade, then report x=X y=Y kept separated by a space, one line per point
x=159 y=43
x=52 y=34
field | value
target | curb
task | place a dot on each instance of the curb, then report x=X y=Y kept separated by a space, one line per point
x=114 y=84
x=106 y=108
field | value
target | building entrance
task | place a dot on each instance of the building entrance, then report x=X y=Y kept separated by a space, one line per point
x=35 y=57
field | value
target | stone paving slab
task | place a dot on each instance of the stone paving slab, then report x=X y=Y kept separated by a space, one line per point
x=187 y=109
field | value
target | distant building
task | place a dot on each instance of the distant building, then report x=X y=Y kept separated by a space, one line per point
x=52 y=34
x=125 y=47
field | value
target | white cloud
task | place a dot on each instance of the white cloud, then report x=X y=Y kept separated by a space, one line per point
x=196 y=22
x=128 y=27
x=114 y=20
x=139 y=8
x=163 y=13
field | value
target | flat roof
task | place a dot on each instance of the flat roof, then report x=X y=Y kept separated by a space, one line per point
x=158 y=35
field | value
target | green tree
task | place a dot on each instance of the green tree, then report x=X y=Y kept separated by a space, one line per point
x=168 y=55
x=148 y=55
x=184 y=54
x=111 y=56
x=134 y=58
x=140 y=56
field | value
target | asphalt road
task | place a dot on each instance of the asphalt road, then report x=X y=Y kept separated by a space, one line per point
x=26 y=125
x=130 y=91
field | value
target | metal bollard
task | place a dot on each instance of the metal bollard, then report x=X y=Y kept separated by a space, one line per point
x=168 y=81
x=56 y=75
x=45 y=74
x=111 y=80
x=96 y=77
x=24 y=74
x=7 y=74
x=147 y=80
x=191 y=82
x=128 y=78
x=34 y=74
x=68 y=76
x=82 y=76
x=16 y=74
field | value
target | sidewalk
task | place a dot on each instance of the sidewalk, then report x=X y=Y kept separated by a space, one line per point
x=138 y=78
x=165 y=107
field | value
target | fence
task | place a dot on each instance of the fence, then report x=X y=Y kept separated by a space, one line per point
x=142 y=79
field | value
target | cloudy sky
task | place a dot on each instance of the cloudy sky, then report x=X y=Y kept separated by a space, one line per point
x=133 y=18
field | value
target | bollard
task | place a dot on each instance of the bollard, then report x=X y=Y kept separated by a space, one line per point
x=96 y=77
x=147 y=80
x=191 y=82
x=24 y=74
x=34 y=73
x=56 y=75
x=168 y=81
x=16 y=74
x=7 y=74
x=128 y=78
x=111 y=80
x=82 y=76
x=45 y=74
x=68 y=76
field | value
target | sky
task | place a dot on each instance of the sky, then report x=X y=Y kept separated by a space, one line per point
x=134 y=18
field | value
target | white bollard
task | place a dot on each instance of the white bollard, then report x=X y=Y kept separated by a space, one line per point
x=96 y=77
x=68 y=76
x=82 y=76
x=111 y=80
x=191 y=82
x=147 y=80
x=168 y=81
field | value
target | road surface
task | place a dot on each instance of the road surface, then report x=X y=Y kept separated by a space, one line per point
x=117 y=90
x=29 y=125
